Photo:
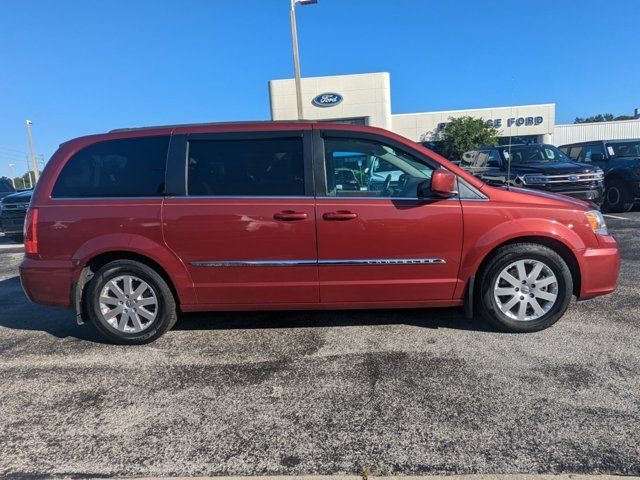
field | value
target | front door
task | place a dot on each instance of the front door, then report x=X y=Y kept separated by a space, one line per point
x=377 y=241
x=245 y=226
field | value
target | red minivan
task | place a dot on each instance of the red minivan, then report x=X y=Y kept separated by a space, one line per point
x=132 y=226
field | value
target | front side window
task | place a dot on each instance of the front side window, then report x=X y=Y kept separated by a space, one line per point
x=366 y=168
x=248 y=167
x=591 y=149
x=131 y=167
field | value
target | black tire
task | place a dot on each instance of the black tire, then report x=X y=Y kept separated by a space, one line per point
x=617 y=196
x=17 y=238
x=501 y=259
x=165 y=317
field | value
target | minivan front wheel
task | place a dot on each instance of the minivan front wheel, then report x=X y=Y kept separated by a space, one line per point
x=129 y=302
x=525 y=288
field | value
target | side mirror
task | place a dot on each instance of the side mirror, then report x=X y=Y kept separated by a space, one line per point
x=443 y=184
x=597 y=157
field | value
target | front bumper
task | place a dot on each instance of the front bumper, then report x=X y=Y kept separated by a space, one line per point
x=13 y=223
x=599 y=268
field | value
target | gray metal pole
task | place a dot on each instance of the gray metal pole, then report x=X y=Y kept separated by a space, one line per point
x=13 y=181
x=36 y=172
x=296 y=60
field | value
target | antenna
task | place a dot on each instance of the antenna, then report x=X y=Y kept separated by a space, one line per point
x=513 y=85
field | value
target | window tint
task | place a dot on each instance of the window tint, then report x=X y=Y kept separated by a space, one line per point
x=130 y=167
x=270 y=167
x=591 y=149
x=363 y=168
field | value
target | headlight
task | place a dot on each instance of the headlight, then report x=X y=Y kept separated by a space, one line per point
x=596 y=222
x=599 y=174
x=532 y=178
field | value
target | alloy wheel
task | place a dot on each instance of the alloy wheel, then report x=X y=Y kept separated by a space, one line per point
x=526 y=290
x=128 y=304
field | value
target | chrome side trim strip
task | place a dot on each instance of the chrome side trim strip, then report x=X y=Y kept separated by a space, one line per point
x=256 y=263
x=289 y=263
x=384 y=261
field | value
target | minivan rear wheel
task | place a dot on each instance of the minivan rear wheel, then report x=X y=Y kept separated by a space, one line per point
x=524 y=287
x=129 y=302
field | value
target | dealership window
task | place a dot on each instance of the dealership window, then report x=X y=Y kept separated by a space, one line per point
x=248 y=167
x=131 y=167
x=357 y=168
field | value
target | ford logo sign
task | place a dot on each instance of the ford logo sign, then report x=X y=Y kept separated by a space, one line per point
x=573 y=178
x=327 y=100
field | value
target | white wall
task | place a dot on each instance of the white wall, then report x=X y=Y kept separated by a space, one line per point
x=365 y=95
x=585 y=132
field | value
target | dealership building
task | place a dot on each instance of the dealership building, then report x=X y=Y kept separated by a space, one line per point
x=365 y=99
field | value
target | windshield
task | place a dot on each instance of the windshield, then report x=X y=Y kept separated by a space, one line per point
x=624 y=149
x=534 y=154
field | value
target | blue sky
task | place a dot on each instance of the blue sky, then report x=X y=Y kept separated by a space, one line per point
x=80 y=67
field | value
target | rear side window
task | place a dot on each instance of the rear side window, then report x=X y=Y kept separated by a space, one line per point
x=132 y=167
x=251 y=167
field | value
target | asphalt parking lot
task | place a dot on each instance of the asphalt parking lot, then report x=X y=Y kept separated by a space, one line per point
x=401 y=392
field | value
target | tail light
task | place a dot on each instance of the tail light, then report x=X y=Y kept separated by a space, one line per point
x=31 y=231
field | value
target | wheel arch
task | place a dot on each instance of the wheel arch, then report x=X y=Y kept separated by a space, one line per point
x=556 y=245
x=617 y=174
x=98 y=260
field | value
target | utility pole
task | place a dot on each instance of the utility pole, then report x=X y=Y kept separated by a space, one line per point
x=28 y=173
x=296 y=56
x=36 y=172
x=13 y=182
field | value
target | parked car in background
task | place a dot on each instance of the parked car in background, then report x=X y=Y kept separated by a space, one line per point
x=538 y=167
x=620 y=161
x=6 y=188
x=13 y=209
x=132 y=226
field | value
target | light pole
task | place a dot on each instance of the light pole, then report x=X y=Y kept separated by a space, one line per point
x=36 y=172
x=13 y=181
x=296 y=56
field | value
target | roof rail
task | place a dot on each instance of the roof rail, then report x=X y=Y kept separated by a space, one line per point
x=248 y=122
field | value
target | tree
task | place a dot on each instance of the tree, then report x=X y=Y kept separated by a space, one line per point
x=607 y=117
x=466 y=133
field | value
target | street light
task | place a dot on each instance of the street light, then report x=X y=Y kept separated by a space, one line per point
x=296 y=56
x=36 y=173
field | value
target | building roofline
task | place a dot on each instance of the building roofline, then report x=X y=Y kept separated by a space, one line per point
x=330 y=76
x=475 y=109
